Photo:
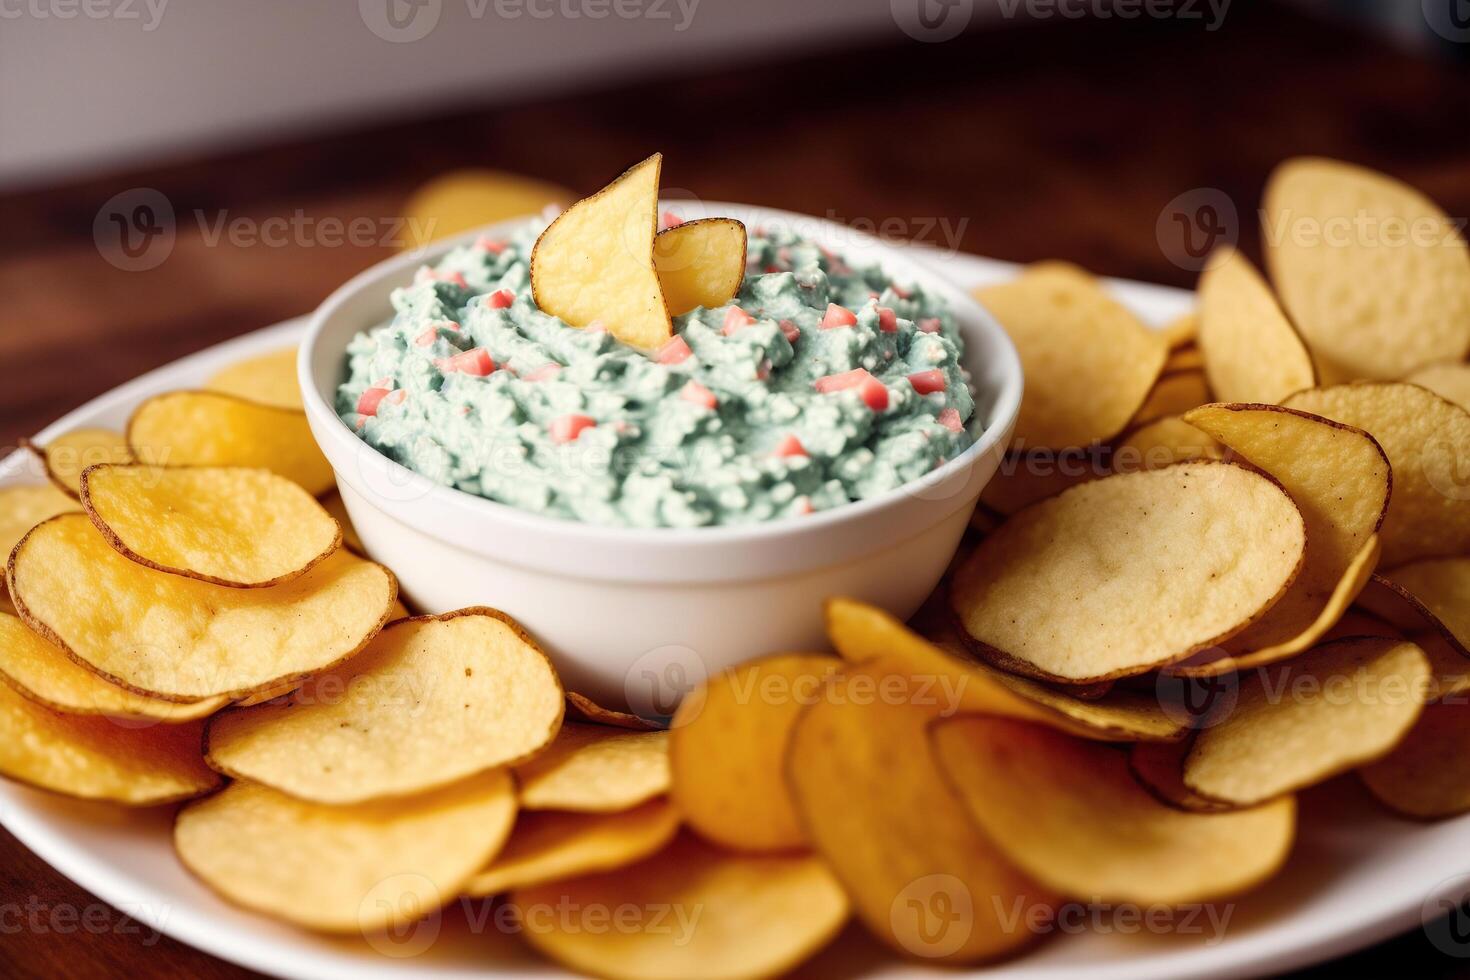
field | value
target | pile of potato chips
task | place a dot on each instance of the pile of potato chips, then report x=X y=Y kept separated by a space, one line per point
x=1173 y=614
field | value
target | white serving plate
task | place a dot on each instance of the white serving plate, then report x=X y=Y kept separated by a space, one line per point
x=1357 y=875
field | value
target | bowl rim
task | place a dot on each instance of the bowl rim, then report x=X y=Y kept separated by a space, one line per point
x=897 y=261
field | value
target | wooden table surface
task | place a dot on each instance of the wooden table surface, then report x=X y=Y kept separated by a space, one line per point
x=1064 y=141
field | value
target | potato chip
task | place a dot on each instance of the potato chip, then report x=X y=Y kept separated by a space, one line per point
x=460 y=200
x=700 y=263
x=1131 y=572
x=266 y=378
x=236 y=527
x=720 y=916
x=183 y=640
x=1427 y=775
x=1252 y=352
x=1163 y=442
x=1182 y=330
x=1357 y=622
x=1449 y=381
x=875 y=805
x=596 y=769
x=1174 y=394
x=1089 y=363
x=345 y=869
x=1443 y=586
x=1159 y=768
x=1069 y=814
x=863 y=633
x=99 y=759
x=582 y=708
x=1373 y=272
x=1300 y=722
x=1427 y=440
x=1026 y=478
x=23 y=507
x=727 y=746
x=435 y=699
x=47 y=675
x=209 y=428
x=66 y=456
x=552 y=846
x=594 y=263
x=1186 y=358
x=332 y=502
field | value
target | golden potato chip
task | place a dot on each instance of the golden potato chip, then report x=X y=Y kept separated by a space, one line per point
x=876 y=806
x=1252 y=352
x=99 y=759
x=594 y=263
x=1174 y=394
x=1163 y=442
x=1373 y=272
x=863 y=633
x=23 y=507
x=230 y=526
x=332 y=501
x=209 y=428
x=1186 y=358
x=1131 y=572
x=1449 y=381
x=1026 y=478
x=1089 y=362
x=1182 y=330
x=1300 y=722
x=179 y=639
x=551 y=846
x=1443 y=586
x=596 y=769
x=266 y=378
x=1427 y=439
x=1069 y=814
x=47 y=675
x=1427 y=775
x=460 y=200
x=1159 y=768
x=66 y=456
x=435 y=699
x=720 y=916
x=700 y=263
x=1387 y=609
x=582 y=708
x=345 y=869
x=727 y=746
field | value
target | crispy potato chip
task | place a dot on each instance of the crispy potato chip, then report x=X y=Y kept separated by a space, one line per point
x=1163 y=442
x=1358 y=622
x=1159 y=768
x=1186 y=358
x=1427 y=440
x=1373 y=272
x=182 y=640
x=1130 y=572
x=236 y=527
x=66 y=456
x=551 y=846
x=1389 y=610
x=47 y=675
x=875 y=805
x=333 y=504
x=460 y=200
x=582 y=708
x=1089 y=363
x=345 y=869
x=757 y=915
x=1252 y=352
x=23 y=507
x=1443 y=586
x=727 y=745
x=1300 y=722
x=1175 y=394
x=1427 y=775
x=266 y=378
x=209 y=428
x=435 y=699
x=700 y=263
x=1026 y=478
x=1070 y=815
x=1182 y=330
x=863 y=633
x=99 y=759
x=1449 y=381
x=596 y=769
x=595 y=261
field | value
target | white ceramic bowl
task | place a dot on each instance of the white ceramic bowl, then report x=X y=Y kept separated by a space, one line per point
x=636 y=616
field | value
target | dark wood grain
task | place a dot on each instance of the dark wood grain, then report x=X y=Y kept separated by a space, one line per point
x=1065 y=141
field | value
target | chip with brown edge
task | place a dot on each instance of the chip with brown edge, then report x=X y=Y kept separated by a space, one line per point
x=244 y=528
x=179 y=639
x=1252 y=353
x=595 y=769
x=1427 y=439
x=727 y=744
x=23 y=507
x=720 y=916
x=1089 y=362
x=266 y=378
x=210 y=428
x=877 y=808
x=1297 y=723
x=1427 y=775
x=70 y=453
x=594 y=263
x=1069 y=814
x=345 y=869
x=435 y=699
x=1131 y=572
x=551 y=846
x=99 y=759
x=582 y=708
x=1159 y=769
x=700 y=263
x=862 y=633
x=1443 y=586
